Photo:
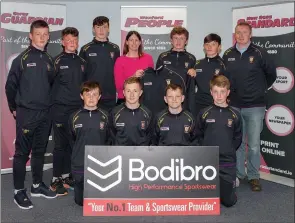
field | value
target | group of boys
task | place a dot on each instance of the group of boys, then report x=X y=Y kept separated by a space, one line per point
x=44 y=92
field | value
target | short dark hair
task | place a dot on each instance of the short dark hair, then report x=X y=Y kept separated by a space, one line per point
x=220 y=81
x=38 y=24
x=245 y=24
x=133 y=80
x=100 y=20
x=90 y=85
x=173 y=87
x=126 y=48
x=70 y=31
x=179 y=30
x=212 y=37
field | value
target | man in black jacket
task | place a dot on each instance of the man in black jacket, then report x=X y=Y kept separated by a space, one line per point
x=70 y=74
x=89 y=126
x=220 y=125
x=206 y=68
x=251 y=73
x=28 y=90
x=101 y=55
x=131 y=123
x=174 y=125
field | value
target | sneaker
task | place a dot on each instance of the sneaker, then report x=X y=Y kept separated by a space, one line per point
x=42 y=191
x=237 y=182
x=21 y=200
x=68 y=183
x=255 y=185
x=58 y=187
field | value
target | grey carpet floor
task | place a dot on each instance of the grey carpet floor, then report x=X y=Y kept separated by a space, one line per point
x=274 y=204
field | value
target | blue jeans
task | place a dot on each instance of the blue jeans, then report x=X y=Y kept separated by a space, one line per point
x=252 y=120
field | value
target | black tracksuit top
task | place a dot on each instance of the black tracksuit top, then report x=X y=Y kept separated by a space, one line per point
x=206 y=69
x=218 y=126
x=30 y=79
x=251 y=74
x=173 y=66
x=174 y=129
x=70 y=74
x=100 y=58
x=87 y=128
x=150 y=98
x=131 y=127
x=177 y=60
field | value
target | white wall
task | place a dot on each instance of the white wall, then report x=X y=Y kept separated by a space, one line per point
x=203 y=18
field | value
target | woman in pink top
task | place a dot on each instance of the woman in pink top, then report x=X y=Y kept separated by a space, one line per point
x=132 y=62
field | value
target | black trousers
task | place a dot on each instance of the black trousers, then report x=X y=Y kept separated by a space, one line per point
x=227 y=178
x=32 y=132
x=78 y=188
x=62 y=138
x=107 y=104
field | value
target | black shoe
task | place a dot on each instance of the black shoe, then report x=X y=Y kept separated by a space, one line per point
x=68 y=183
x=21 y=200
x=42 y=191
x=58 y=188
x=80 y=203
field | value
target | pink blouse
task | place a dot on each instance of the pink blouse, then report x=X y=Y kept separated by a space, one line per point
x=126 y=67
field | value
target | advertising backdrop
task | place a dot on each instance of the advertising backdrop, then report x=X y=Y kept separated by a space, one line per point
x=151 y=181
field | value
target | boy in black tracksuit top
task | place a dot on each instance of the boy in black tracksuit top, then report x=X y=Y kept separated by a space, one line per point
x=178 y=57
x=28 y=90
x=70 y=74
x=220 y=125
x=206 y=68
x=89 y=126
x=130 y=122
x=174 y=125
x=101 y=55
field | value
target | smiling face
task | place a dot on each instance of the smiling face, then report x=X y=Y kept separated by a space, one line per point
x=133 y=43
x=132 y=93
x=174 y=98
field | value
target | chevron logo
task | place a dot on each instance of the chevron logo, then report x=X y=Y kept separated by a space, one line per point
x=105 y=176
